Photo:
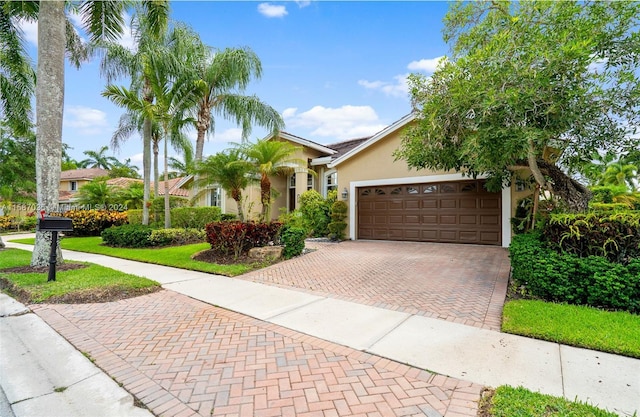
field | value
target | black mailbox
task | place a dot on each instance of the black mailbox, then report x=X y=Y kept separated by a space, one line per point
x=54 y=224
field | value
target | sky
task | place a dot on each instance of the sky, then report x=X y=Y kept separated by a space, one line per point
x=335 y=70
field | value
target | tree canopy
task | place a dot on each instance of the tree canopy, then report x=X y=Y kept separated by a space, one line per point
x=525 y=80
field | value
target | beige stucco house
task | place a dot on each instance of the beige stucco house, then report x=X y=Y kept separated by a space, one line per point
x=386 y=199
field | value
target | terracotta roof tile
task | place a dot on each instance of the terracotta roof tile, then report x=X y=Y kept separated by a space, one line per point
x=83 y=173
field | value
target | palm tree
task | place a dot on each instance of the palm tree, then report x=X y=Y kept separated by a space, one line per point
x=96 y=194
x=124 y=169
x=172 y=88
x=620 y=173
x=269 y=158
x=56 y=35
x=225 y=75
x=181 y=168
x=119 y=61
x=98 y=159
x=17 y=77
x=227 y=169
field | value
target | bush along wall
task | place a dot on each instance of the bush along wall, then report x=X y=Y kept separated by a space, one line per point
x=194 y=217
x=139 y=236
x=566 y=277
x=292 y=238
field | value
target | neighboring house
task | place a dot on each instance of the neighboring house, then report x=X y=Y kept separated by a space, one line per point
x=71 y=181
x=177 y=187
x=386 y=199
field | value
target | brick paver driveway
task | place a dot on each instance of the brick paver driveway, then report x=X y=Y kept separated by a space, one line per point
x=461 y=283
x=183 y=357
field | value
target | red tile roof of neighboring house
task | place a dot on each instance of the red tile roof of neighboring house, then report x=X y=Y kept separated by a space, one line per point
x=122 y=182
x=83 y=174
x=174 y=187
x=65 y=196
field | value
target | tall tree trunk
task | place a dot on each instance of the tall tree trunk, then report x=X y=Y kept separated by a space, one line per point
x=202 y=125
x=200 y=143
x=265 y=198
x=156 y=170
x=49 y=112
x=167 y=207
x=1 y=243
x=146 y=168
x=237 y=197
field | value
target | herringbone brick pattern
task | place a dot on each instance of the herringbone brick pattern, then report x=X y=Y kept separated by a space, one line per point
x=461 y=283
x=182 y=357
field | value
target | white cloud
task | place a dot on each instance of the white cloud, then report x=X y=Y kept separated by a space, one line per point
x=85 y=119
x=30 y=30
x=303 y=3
x=396 y=88
x=272 y=10
x=233 y=134
x=426 y=65
x=289 y=112
x=346 y=122
x=137 y=159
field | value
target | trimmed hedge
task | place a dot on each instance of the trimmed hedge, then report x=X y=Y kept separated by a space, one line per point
x=168 y=237
x=93 y=222
x=194 y=217
x=338 y=224
x=292 y=238
x=139 y=236
x=127 y=236
x=615 y=236
x=566 y=277
x=235 y=238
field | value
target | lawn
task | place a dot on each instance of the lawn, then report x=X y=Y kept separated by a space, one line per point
x=509 y=402
x=175 y=256
x=87 y=283
x=587 y=327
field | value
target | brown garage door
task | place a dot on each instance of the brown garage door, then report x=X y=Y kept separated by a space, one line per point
x=455 y=212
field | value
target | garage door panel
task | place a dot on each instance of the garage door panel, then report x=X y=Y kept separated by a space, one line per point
x=448 y=203
x=396 y=219
x=492 y=219
x=462 y=212
x=468 y=219
x=430 y=204
x=448 y=219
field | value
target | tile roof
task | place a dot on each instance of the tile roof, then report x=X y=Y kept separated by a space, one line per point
x=83 y=174
x=122 y=181
x=174 y=187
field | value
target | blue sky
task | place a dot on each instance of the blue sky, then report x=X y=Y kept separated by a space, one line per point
x=334 y=70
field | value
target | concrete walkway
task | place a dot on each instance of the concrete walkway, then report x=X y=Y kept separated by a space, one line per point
x=462 y=352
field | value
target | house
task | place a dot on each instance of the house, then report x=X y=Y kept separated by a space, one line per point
x=71 y=181
x=386 y=199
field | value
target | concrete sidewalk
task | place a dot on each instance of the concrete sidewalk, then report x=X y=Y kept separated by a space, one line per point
x=478 y=355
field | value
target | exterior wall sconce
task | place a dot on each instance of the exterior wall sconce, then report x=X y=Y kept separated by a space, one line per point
x=345 y=193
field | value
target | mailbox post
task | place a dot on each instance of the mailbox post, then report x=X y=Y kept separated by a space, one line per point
x=54 y=225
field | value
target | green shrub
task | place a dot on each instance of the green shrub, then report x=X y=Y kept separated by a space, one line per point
x=615 y=236
x=564 y=277
x=235 y=238
x=166 y=237
x=292 y=238
x=134 y=216
x=127 y=236
x=93 y=222
x=293 y=219
x=225 y=217
x=316 y=213
x=608 y=207
x=18 y=223
x=194 y=217
x=338 y=225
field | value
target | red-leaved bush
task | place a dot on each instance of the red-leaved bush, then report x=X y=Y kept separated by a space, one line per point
x=235 y=238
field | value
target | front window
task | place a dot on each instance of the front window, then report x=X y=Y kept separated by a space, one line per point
x=309 y=182
x=73 y=186
x=215 y=197
x=331 y=181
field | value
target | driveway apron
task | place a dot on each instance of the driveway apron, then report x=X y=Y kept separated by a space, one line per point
x=182 y=357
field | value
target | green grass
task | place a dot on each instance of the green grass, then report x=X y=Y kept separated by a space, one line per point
x=175 y=256
x=587 y=327
x=91 y=278
x=510 y=402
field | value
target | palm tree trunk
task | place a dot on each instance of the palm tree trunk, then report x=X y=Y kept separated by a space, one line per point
x=146 y=168
x=49 y=112
x=167 y=208
x=265 y=197
x=237 y=197
x=156 y=170
x=200 y=143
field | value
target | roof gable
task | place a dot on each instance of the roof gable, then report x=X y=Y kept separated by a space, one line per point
x=304 y=142
x=373 y=139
